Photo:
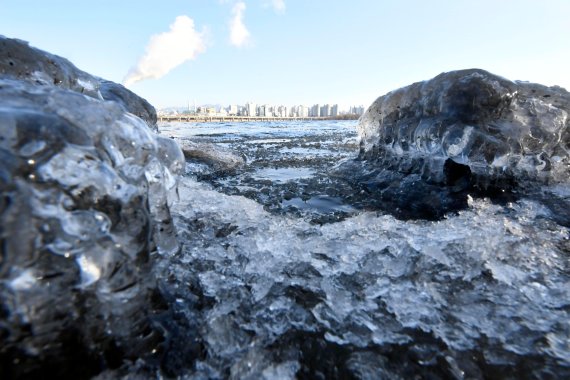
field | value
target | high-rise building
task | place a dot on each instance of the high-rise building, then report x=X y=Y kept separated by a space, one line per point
x=251 y=109
x=303 y=111
x=315 y=111
x=334 y=110
x=357 y=110
x=233 y=110
x=293 y=111
x=282 y=110
x=326 y=110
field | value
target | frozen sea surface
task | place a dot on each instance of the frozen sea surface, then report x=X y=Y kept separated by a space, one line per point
x=481 y=293
x=485 y=292
x=284 y=160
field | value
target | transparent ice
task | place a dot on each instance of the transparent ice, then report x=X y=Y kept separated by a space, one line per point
x=85 y=195
x=486 y=288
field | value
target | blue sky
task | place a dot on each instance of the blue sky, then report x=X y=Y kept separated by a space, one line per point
x=298 y=51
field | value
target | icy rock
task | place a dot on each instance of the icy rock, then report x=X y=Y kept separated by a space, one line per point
x=18 y=60
x=85 y=189
x=473 y=126
x=481 y=293
x=129 y=100
x=220 y=159
x=425 y=147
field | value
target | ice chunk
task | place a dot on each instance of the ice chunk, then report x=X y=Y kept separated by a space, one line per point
x=489 y=280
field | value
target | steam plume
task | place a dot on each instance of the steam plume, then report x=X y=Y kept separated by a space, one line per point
x=239 y=35
x=167 y=50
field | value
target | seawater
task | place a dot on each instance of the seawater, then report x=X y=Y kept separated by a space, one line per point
x=265 y=132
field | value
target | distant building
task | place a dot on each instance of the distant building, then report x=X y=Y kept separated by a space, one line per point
x=357 y=110
x=334 y=110
x=303 y=111
x=326 y=110
x=315 y=111
x=233 y=110
x=293 y=111
x=282 y=111
x=267 y=110
x=251 y=109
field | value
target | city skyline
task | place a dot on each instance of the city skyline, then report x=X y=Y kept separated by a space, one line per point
x=293 y=51
x=267 y=109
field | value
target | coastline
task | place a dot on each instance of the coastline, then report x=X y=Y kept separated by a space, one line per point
x=210 y=118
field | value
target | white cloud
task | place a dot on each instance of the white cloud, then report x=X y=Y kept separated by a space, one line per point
x=278 y=5
x=167 y=50
x=239 y=35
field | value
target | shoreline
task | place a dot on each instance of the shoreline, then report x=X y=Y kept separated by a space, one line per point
x=207 y=118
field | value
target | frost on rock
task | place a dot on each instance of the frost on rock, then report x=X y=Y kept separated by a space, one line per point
x=84 y=205
x=20 y=61
x=481 y=293
x=463 y=131
x=218 y=158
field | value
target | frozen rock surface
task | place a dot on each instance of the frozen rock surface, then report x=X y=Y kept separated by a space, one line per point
x=498 y=128
x=481 y=294
x=433 y=142
x=84 y=212
x=18 y=60
x=219 y=158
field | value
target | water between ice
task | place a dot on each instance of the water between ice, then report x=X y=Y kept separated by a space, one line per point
x=284 y=174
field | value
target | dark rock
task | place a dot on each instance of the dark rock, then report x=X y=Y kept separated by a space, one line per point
x=501 y=131
x=131 y=101
x=425 y=147
x=84 y=211
x=18 y=60
x=220 y=159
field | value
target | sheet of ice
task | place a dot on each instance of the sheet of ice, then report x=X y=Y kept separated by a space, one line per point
x=255 y=130
x=473 y=293
x=319 y=203
x=283 y=174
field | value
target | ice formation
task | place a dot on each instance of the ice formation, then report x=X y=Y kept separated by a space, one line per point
x=484 y=292
x=426 y=147
x=218 y=158
x=84 y=209
x=20 y=61
x=502 y=131
x=94 y=281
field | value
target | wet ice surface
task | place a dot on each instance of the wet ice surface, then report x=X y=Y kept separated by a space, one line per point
x=482 y=293
x=284 y=161
x=284 y=174
x=322 y=202
x=85 y=189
